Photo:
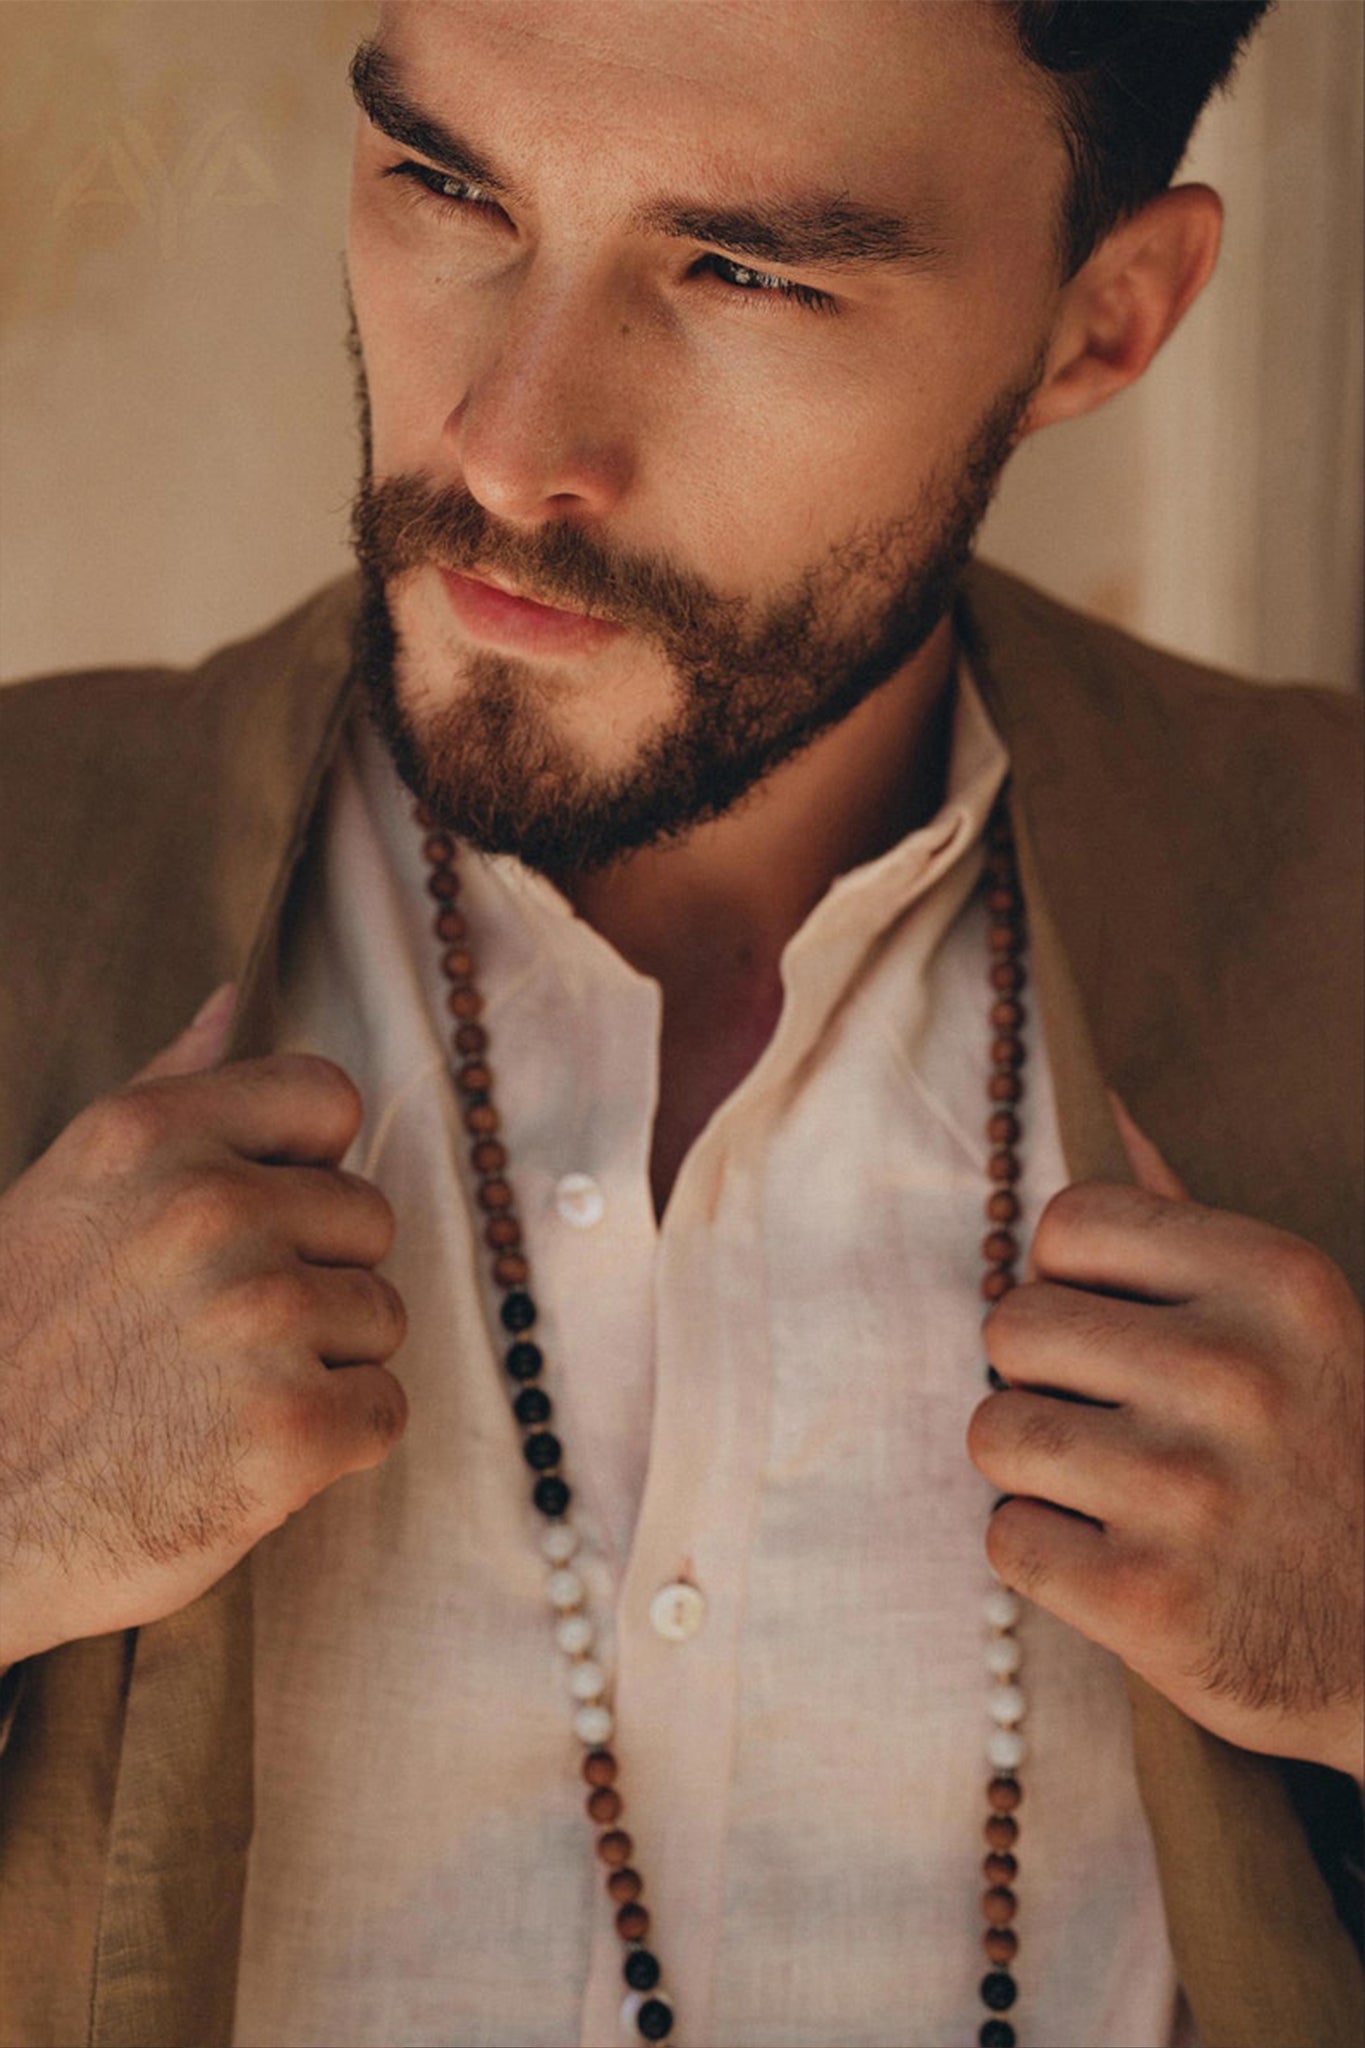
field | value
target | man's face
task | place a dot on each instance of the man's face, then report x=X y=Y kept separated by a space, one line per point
x=718 y=330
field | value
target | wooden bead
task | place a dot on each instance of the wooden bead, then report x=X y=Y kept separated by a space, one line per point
x=1002 y=899
x=1007 y=1050
x=458 y=963
x=443 y=884
x=488 y=1156
x=1006 y=1015
x=997 y=1284
x=494 y=1194
x=471 y=1038
x=439 y=846
x=999 y=1905
x=1001 y=1944
x=502 y=1232
x=632 y=1923
x=1004 y=1794
x=1007 y=975
x=1001 y=1831
x=1003 y=1166
x=1003 y=937
x=464 y=1002
x=615 y=1846
x=474 y=1078
x=423 y=817
x=625 y=1885
x=450 y=926
x=510 y=1269
x=604 y=1805
x=481 y=1118
x=1003 y=1207
x=1000 y=1248
x=600 y=1767
x=1004 y=1087
x=996 y=1869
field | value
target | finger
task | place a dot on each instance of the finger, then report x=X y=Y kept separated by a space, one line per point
x=200 y=1043
x=356 y=1316
x=293 y=1108
x=1096 y=1462
x=1123 y=1240
x=1092 y=1347
x=1061 y=1562
x=329 y=1217
x=366 y=1412
x=1149 y=1168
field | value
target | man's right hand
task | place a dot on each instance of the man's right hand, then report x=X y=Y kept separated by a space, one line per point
x=177 y=1274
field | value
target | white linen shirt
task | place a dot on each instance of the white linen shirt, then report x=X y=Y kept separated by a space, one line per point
x=764 y=1397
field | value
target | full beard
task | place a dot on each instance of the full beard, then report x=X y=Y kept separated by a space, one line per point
x=752 y=689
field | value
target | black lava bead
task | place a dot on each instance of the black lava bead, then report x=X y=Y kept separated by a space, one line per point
x=655 y=2020
x=542 y=1451
x=642 y=1970
x=552 y=1497
x=518 y=1312
x=524 y=1361
x=996 y=2034
x=998 y=1990
x=532 y=1405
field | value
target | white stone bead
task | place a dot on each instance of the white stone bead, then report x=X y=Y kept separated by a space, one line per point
x=1001 y=1607
x=559 y=1542
x=1006 y=1704
x=587 y=1681
x=630 y=2006
x=574 y=1634
x=1005 y=1748
x=593 y=1725
x=1004 y=1655
x=564 y=1590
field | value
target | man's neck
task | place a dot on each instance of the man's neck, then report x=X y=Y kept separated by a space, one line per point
x=708 y=916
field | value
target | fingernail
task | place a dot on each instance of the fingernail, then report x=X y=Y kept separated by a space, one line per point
x=217 y=1006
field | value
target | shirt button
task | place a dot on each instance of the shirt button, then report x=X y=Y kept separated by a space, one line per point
x=579 y=1200
x=677 y=1612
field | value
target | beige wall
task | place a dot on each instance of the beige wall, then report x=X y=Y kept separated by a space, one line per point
x=176 y=430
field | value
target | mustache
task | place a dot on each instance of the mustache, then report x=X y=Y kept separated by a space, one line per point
x=401 y=523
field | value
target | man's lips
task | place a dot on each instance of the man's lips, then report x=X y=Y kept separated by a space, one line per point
x=500 y=618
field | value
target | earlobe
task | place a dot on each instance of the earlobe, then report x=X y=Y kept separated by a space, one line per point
x=1126 y=300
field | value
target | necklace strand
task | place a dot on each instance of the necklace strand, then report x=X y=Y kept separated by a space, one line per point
x=648 y=2009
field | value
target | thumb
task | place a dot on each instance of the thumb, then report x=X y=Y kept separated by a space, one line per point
x=1149 y=1168
x=200 y=1043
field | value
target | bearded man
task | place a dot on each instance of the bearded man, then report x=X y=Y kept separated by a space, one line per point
x=708 y=942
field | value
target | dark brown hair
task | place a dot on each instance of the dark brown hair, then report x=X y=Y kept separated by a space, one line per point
x=1130 y=78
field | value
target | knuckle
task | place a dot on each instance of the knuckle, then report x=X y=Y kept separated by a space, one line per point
x=205 y=1209
x=1153 y=1596
x=121 y=1133
x=272 y=1305
x=1309 y=1284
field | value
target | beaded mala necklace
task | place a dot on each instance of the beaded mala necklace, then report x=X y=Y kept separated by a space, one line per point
x=648 y=2007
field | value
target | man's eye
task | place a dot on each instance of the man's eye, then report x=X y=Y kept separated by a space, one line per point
x=442 y=187
x=765 y=288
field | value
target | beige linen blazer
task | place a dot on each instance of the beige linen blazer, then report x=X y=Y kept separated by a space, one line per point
x=1191 y=862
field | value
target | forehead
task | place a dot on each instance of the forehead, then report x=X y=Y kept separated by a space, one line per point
x=881 y=92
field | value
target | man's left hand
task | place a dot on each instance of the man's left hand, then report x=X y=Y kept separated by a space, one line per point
x=1195 y=1501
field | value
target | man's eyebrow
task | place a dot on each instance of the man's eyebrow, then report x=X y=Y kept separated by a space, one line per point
x=384 y=103
x=822 y=230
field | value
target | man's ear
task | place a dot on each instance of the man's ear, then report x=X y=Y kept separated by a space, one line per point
x=1125 y=300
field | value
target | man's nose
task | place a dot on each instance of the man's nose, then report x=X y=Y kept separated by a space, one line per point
x=541 y=429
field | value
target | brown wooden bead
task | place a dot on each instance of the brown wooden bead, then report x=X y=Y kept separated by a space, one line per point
x=464 y=1002
x=481 y=1118
x=1003 y=1166
x=1004 y=1794
x=1002 y=900
x=494 y=1194
x=1000 y=867
x=475 y=1077
x=998 y=1283
x=488 y=1156
x=632 y=1923
x=600 y=1767
x=1001 y=1248
x=500 y=1233
x=423 y=817
x=1006 y=1015
x=1003 y=1207
x=1001 y=1944
x=1003 y=1128
x=439 y=846
x=625 y=1885
x=1002 y=1831
x=450 y=926
x=443 y=883
x=1007 y=975
x=471 y=1038
x=999 y=1869
x=604 y=1805
x=457 y=962
x=1007 y=1050
x=510 y=1269
x=1004 y=1087
x=1003 y=936
x=999 y=1905
x=615 y=1846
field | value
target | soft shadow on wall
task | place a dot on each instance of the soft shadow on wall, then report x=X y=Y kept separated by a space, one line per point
x=177 y=441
